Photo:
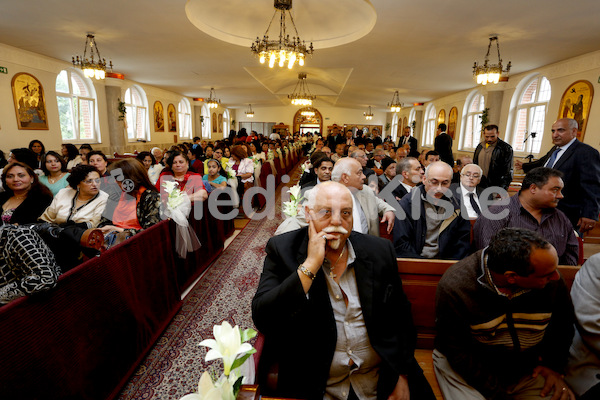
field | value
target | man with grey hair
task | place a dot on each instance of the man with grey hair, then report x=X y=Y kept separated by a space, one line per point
x=375 y=162
x=362 y=158
x=433 y=226
x=410 y=173
x=580 y=164
x=467 y=192
x=368 y=208
x=336 y=289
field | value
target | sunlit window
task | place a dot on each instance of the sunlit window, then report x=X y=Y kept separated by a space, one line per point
x=472 y=121
x=185 y=119
x=430 y=126
x=137 y=111
x=76 y=100
x=530 y=115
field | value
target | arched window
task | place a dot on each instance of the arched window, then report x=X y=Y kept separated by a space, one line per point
x=411 y=118
x=471 y=132
x=530 y=114
x=137 y=112
x=76 y=100
x=394 y=128
x=185 y=119
x=206 y=123
x=430 y=126
x=226 y=124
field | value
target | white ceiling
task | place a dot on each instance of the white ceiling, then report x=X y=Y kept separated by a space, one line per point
x=424 y=49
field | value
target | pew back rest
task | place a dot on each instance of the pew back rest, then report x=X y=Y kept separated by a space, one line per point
x=419 y=281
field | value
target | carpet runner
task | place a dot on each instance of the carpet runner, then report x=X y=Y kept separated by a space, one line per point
x=175 y=364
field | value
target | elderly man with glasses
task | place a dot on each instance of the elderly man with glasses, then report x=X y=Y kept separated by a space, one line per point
x=467 y=192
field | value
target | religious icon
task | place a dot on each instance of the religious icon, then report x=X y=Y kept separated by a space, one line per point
x=576 y=103
x=452 y=118
x=30 y=107
x=172 y=118
x=159 y=117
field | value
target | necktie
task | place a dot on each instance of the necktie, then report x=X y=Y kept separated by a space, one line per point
x=553 y=157
x=474 y=203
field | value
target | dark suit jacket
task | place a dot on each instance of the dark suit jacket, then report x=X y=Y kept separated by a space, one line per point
x=409 y=234
x=456 y=193
x=412 y=142
x=580 y=165
x=443 y=145
x=300 y=330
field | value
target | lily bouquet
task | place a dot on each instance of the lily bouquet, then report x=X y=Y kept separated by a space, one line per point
x=230 y=172
x=270 y=155
x=290 y=208
x=229 y=345
x=178 y=208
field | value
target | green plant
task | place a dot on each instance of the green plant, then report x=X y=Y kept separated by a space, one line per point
x=202 y=120
x=387 y=127
x=485 y=118
x=413 y=125
x=122 y=110
x=233 y=123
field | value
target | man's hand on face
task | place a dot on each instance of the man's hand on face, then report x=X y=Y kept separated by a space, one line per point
x=554 y=384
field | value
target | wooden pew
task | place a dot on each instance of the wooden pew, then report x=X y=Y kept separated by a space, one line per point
x=419 y=281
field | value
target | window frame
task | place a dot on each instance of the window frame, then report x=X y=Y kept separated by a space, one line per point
x=72 y=96
x=133 y=112
x=206 y=122
x=394 y=128
x=475 y=117
x=185 y=118
x=430 y=126
x=533 y=145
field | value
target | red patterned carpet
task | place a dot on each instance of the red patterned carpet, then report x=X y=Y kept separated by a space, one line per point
x=173 y=367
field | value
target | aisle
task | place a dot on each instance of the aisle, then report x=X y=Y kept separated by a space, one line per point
x=224 y=292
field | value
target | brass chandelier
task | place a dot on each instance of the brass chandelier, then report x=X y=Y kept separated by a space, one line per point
x=307 y=111
x=490 y=72
x=395 y=105
x=301 y=95
x=283 y=50
x=249 y=112
x=368 y=115
x=95 y=66
x=212 y=100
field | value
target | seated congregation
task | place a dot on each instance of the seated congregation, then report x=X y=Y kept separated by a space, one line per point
x=504 y=319
x=75 y=205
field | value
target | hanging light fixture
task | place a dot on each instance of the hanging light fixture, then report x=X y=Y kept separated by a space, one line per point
x=283 y=50
x=301 y=95
x=95 y=66
x=395 y=105
x=368 y=115
x=307 y=112
x=212 y=100
x=249 y=112
x=490 y=72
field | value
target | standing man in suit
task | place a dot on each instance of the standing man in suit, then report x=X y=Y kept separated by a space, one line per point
x=443 y=145
x=495 y=157
x=324 y=304
x=411 y=141
x=580 y=164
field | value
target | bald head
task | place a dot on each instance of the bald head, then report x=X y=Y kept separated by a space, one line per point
x=437 y=178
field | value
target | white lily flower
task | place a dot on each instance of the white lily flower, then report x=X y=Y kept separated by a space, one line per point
x=207 y=390
x=294 y=192
x=170 y=185
x=226 y=345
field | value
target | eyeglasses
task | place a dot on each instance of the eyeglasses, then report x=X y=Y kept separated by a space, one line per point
x=90 y=181
x=470 y=175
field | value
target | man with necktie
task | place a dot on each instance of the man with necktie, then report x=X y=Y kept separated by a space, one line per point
x=580 y=164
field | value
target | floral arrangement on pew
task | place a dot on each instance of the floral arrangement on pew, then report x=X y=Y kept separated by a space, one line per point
x=257 y=161
x=290 y=208
x=178 y=209
x=229 y=345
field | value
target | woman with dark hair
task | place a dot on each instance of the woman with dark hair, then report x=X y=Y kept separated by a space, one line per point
x=24 y=156
x=139 y=205
x=97 y=159
x=71 y=155
x=38 y=148
x=151 y=165
x=146 y=158
x=71 y=218
x=190 y=182
x=24 y=198
x=243 y=168
x=84 y=149
x=81 y=202
x=55 y=172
